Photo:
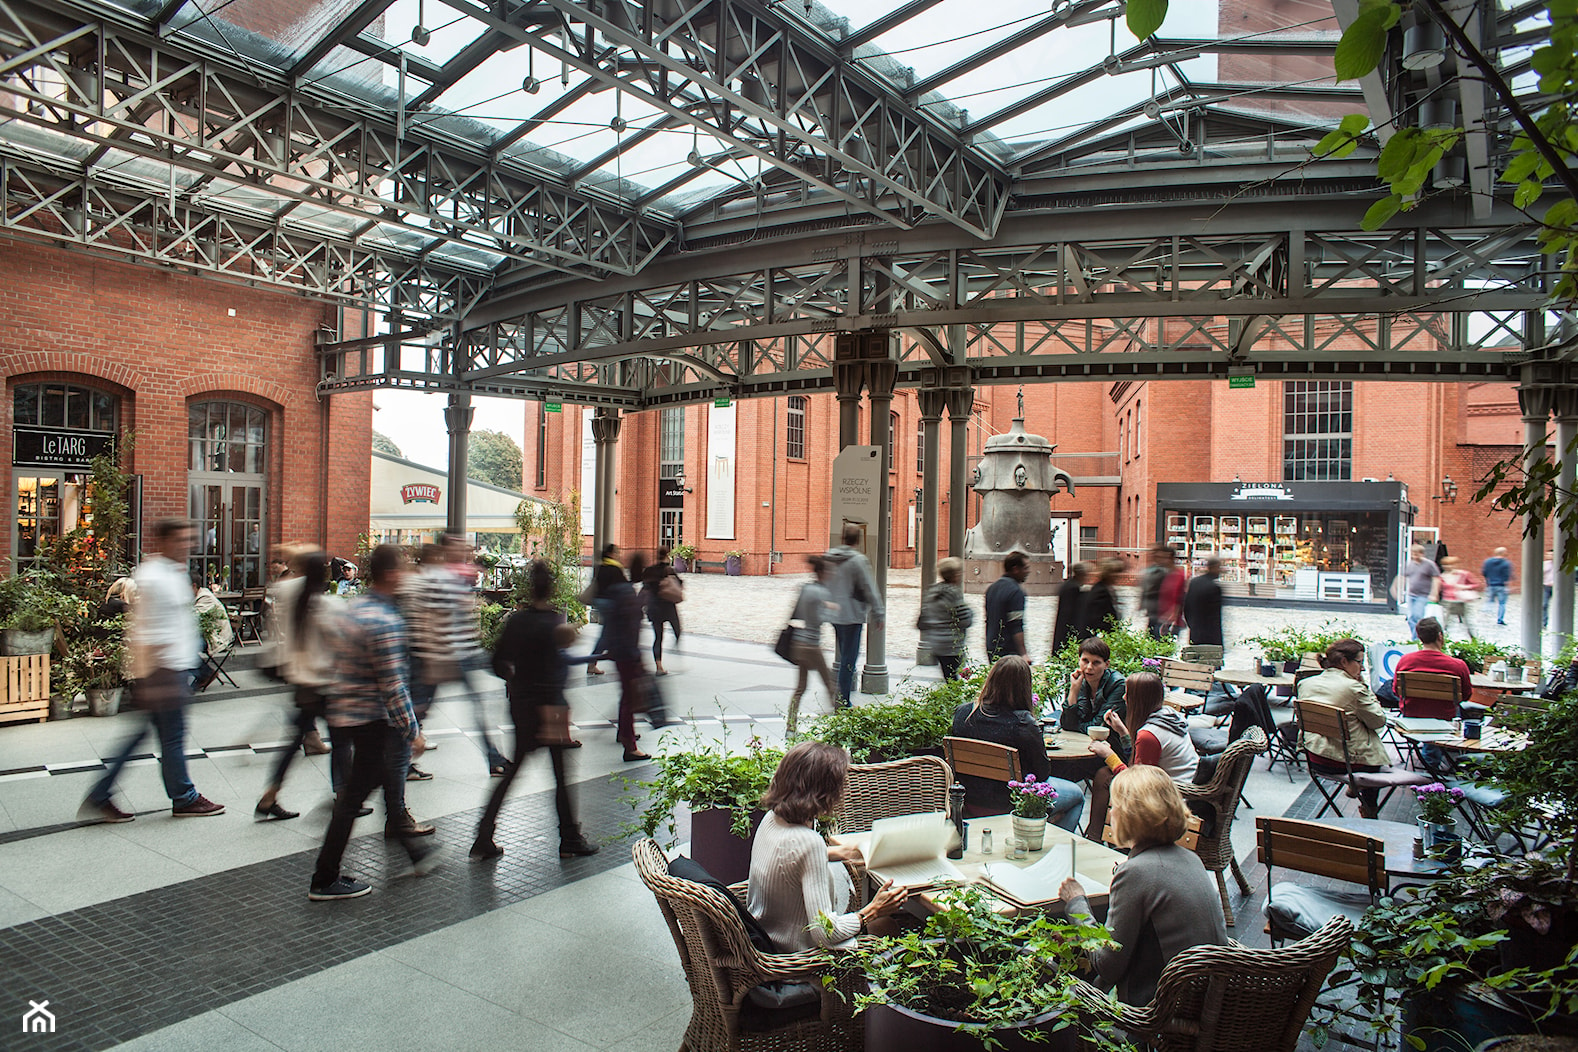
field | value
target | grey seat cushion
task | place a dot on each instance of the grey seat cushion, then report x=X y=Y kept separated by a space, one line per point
x=1390 y=776
x=1296 y=910
x=1208 y=741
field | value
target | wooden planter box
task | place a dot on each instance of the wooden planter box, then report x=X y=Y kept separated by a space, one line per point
x=24 y=688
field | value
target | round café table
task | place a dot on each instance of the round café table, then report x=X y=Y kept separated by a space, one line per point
x=1399 y=839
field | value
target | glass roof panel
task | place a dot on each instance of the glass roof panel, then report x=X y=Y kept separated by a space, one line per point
x=362 y=76
x=448 y=33
x=952 y=30
x=582 y=131
x=493 y=93
x=263 y=29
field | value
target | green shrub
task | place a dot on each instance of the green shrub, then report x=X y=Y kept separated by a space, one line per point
x=705 y=776
x=1130 y=647
x=1476 y=653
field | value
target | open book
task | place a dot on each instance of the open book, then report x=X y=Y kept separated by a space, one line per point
x=908 y=850
x=1038 y=883
x=1423 y=725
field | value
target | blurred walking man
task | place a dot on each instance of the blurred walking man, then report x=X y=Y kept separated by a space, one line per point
x=854 y=591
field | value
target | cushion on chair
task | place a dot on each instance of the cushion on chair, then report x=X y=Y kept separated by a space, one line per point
x=1483 y=795
x=1208 y=741
x=1296 y=909
x=1389 y=776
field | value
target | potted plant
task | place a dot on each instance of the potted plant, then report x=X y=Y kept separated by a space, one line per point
x=974 y=978
x=1032 y=801
x=1437 y=819
x=731 y=561
x=722 y=789
x=96 y=665
x=683 y=554
x=907 y=725
x=1515 y=662
x=31 y=606
x=1477 y=654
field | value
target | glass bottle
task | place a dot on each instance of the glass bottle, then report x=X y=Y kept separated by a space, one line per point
x=956 y=812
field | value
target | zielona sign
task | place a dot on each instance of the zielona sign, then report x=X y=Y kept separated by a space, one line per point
x=419 y=493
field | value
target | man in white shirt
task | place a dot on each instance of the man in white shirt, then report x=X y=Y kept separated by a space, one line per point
x=164 y=641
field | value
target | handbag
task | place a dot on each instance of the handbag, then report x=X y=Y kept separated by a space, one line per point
x=161 y=690
x=784 y=648
x=553 y=725
x=670 y=590
x=439 y=670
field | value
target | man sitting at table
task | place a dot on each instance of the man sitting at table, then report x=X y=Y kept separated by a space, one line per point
x=1432 y=657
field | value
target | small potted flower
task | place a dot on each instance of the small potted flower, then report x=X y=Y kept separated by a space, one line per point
x=683 y=555
x=1437 y=821
x=732 y=560
x=1032 y=801
x=1515 y=662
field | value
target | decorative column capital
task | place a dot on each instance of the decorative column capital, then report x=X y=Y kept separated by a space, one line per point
x=458 y=414
x=1535 y=402
x=961 y=403
x=848 y=379
x=605 y=425
x=1566 y=404
x=932 y=402
x=881 y=378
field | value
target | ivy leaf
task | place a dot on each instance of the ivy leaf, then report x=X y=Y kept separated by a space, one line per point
x=1521 y=167
x=1146 y=16
x=1363 y=43
x=1527 y=193
x=1398 y=155
x=1381 y=211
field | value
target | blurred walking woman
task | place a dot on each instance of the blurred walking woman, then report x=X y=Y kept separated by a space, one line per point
x=663 y=592
x=814 y=604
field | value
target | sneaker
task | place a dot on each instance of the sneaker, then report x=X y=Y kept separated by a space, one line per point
x=273 y=813
x=407 y=827
x=344 y=888
x=416 y=774
x=105 y=812
x=485 y=849
x=424 y=861
x=202 y=807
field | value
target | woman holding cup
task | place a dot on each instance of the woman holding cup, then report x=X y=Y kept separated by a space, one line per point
x=1160 y=739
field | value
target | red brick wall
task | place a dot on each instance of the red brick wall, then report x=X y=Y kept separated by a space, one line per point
x=163 y=339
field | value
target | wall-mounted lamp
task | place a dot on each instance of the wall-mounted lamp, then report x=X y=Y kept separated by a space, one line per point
x=679 y=479
x=1448 y=491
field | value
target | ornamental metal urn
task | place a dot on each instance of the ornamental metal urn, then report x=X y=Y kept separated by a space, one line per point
x=1016 y=479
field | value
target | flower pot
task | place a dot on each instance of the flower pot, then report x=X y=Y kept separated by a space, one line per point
x=1290 y=667
x=1441 y=840
x=1463 y=1018
x=893 y=1028
x=1030 y=832
x=682 y=565
x=19 y=642
x=104 y=701
x=61 y=707
x=1267 y=668
x=714 y=845
x=731 y=566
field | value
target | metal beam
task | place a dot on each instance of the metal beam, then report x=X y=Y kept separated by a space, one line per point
x=883 y=24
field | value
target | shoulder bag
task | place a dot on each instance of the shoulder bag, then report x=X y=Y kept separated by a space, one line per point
x=670 y=590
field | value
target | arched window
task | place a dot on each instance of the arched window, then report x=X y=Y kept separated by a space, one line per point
x=57 y=430
x=794 y=431
x=228 y=483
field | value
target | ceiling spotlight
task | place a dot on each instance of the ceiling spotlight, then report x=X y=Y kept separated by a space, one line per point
x=420 y=35
x=1424 y=46
x=531 y=85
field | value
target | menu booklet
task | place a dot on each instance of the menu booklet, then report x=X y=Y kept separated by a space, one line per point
x=1038 y=884
x=909 y=850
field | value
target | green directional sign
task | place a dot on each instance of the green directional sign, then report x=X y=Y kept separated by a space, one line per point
x=721 y=403
x=1240 y=381
x=553 y=407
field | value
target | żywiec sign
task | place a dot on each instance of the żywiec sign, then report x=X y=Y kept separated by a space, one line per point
x=47 y=447
x=1260 y=491
x=419 y=493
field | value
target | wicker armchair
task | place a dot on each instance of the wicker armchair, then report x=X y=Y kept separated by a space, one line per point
x=722 y=966
x=1222 y=793
x=899 y=787
x=1230 y=998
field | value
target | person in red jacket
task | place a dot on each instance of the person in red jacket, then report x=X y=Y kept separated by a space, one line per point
x=1430 y=657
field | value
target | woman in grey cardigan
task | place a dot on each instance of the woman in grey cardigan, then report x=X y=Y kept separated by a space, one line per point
x=945 y=618
x=1162 y=900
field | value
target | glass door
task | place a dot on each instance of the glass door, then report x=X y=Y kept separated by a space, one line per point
x=229 y=548
x=671 y=527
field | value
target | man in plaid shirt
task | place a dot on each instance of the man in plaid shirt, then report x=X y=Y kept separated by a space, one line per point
x=370 y=703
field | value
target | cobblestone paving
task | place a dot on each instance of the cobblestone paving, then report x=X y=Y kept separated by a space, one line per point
x=755 y=609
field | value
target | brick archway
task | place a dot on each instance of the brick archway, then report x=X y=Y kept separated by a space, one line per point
x=218 y=385
x=24 y=365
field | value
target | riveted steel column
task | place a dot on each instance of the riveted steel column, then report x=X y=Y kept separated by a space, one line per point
x=605 y=433
x=1566 y=407
x=961 y=403
x=880 y=379
x=457 y=419
x=932 y=403
x=847 y=381
x=1535 y=404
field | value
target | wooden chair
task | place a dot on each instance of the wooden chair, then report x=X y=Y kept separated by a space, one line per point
x=249 y=611
x=1229 y=998
x=1222 y=794
x=722 y=967
x=998 y=763
x=1333 y=724
x=1190 y=841
x=910 y=786
x=1293 y=911
x=1428 y=686
x=1187 y=677
x=1208 y=654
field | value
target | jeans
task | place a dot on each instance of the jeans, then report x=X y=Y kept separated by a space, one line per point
x=170 y=725
x=846 y=655
x=1416 y=611
x=526 y=722
x=371 y=744
x=1068 y=807
x=1497 y=593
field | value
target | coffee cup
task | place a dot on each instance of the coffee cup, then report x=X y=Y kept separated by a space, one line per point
x=1471 y=730
x=1099 y=734
x=1267 y=669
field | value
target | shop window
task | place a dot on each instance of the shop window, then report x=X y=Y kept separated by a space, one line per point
x=228 y=488
x=794 y=429
x=57 y=430
x=1317 y=430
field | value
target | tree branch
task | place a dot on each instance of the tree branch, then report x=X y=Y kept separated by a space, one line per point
x=1503 y=91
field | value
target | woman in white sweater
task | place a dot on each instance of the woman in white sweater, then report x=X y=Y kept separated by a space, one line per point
x=797 y=879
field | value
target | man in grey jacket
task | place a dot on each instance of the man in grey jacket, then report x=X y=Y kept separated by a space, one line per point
x=854 y=592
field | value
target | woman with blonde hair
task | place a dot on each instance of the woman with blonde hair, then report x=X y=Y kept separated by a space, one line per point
x=1162 y=900
x=1005 y=714
x=799 y=889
